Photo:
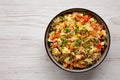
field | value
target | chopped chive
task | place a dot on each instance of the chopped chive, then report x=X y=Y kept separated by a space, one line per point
x=71 y=57
x=62 y=17
x=87 y=45
x=87 y=51
x=66 y=29
x=62 y=58
x=95 y=41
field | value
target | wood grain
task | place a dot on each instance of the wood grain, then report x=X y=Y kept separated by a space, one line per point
x=22 y=27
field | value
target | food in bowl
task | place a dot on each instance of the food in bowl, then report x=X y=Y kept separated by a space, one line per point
x=77 y=40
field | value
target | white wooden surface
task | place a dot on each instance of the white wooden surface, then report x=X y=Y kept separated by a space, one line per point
x=22 y=28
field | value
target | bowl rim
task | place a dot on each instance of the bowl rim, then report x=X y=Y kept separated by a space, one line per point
x=79 y=70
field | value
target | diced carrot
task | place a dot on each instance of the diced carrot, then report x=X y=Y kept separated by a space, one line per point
x=85 y=18
x=54 y=45
x=89 y=16
x=71 y=47
x=82 y=21
x=84 y=36
x=94 y=26
x=81 y=65
x=77 y=17
x=74 y=64
x=93 y=33
x=58 y=35
x=99 y=50
x=53 y=37
x=65 y=64
x=91 y=43
x=99 y=47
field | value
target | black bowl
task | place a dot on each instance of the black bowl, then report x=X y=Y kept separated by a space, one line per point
x=99 y=19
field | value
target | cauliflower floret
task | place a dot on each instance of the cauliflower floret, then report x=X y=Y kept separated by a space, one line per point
x=78 y=56
x=55 y=51
x=102 y=43
x=62 y=33
x=57 y=20
x=65 y=50
x=94 y=49
x=74 y=38
x=92 y=20
x=88 y=60
x=96 y=56
x=50 y=35
x=59 y=41
x=67 y=60
x=103 y=32
x=88 y=27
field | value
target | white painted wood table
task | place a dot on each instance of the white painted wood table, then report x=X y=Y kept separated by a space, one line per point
x=22 y=28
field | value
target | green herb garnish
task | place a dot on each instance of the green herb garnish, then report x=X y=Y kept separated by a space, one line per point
x=71 y=57
x=64 y=41
x=95 y=41
x=62 y=17
x=87 y=51
x=86 y=45
x=66 y=29
x=62 y=59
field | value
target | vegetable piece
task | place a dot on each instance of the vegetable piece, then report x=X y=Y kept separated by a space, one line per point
x=71 y=57
x=65 y=64
x=81 y=65
x=95 y=41
x=78 y=56
x=88 y=60
x=71 y=47
x=77 y=30
x=87 y=51
x=62 y=17
x=57 y=35
x=65 y=50
x=75 y=51
x=89 y=16
x=78 y=35
x=53 y=37
x=78 y=24
x=54 y=45
x=86 y=45
x=94 y=26
x=62 y=58
x=93 y=33
x=64 y=41
x=99 y=47
x=84 y=36
x=55 y=51
x=83 y=31
x=82 y=20
x=66 y=29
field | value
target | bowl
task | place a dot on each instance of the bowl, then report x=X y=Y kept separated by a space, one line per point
x=98 y=18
